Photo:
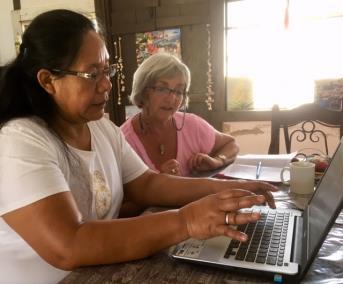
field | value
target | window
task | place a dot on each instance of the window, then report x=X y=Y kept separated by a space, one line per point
x=279 y=52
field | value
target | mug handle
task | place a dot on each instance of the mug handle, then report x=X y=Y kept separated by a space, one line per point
x=285 y=169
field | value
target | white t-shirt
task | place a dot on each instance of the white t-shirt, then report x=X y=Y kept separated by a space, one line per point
x=33 y=165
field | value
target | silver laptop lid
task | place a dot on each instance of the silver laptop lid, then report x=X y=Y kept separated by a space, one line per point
x=323 y=209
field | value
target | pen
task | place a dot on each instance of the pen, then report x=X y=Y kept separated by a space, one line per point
x=258 y=169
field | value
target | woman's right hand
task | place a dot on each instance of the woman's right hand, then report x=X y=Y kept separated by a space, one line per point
x=206 y=218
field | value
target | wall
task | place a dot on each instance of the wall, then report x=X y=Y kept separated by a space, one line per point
x=29 y=9
x=7 y=49
x=253 y=137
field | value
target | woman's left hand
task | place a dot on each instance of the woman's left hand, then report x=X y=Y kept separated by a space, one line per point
x=203 y=162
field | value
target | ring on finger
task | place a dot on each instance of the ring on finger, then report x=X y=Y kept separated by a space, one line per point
x=227 y=218
x=173 y=171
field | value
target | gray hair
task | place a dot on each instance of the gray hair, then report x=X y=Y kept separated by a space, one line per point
x=157 y=66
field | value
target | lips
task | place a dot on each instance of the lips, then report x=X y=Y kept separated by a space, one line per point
x=102 y=104
x=167 y=108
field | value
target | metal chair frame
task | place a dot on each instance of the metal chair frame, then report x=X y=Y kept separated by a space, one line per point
x=308 y=115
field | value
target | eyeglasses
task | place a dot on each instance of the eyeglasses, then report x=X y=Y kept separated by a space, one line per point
x=109 y=72
x=165 y=91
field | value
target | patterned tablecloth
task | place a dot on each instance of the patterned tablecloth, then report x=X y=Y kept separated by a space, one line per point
x=160 y=268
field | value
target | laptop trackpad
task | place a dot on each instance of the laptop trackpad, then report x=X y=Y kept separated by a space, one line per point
x=215 y=248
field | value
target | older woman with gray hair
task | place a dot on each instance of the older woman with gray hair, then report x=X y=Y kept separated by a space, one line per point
x=170 y=141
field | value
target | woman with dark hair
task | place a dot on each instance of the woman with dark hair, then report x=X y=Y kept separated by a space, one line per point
x=64 y=168
x=170 y=141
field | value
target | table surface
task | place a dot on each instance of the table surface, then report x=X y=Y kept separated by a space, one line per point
x=160 y=268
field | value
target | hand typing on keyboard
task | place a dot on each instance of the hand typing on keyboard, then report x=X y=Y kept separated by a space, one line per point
x=258 y=187
x=212 y=215
x=267 y=240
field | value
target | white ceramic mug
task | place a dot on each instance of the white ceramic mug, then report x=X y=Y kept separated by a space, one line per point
x=301 y=177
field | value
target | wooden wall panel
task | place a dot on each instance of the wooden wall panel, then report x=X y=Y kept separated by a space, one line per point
x=132 y=21
x=181 y=2
x=144 y=15
x=121 y=5
x=132 y=16
x=181 y=15
x=168 y=11
x=128 y=17
x=124 y=17
x=162 y=23
x=199 y=9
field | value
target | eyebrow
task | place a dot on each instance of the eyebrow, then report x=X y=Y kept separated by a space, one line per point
x=97 y=65
x=181 y=85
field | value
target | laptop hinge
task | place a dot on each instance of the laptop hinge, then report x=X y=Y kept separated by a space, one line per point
x=297 y=244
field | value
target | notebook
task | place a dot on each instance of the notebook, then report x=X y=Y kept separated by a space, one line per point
x=257 y=167
x=292 y=245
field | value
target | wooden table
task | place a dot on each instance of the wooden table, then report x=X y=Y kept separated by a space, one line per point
x=159 y=268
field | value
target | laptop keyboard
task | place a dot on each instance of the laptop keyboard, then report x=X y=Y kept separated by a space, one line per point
x=267 y=240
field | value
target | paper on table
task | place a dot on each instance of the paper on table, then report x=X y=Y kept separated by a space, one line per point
x=245 y=167
x=278 y=161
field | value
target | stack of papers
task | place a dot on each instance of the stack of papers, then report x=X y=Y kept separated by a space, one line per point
x=246 y=167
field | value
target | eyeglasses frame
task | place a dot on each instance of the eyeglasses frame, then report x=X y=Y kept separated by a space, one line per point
x=87 y=75
x=184 y=93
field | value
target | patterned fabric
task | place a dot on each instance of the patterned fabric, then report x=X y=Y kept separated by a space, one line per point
x=103 y=195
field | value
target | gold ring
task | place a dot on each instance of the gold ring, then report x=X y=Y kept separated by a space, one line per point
x=227 y=218
x=173 y=171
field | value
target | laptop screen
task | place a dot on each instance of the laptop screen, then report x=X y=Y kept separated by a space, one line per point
x=325 y=203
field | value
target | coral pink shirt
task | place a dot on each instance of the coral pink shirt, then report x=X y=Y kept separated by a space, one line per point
x=196 y=136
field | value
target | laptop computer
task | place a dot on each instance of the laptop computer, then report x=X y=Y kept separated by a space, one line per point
x=284 y=243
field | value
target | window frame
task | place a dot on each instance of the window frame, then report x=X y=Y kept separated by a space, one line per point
x=220 y=114
x=221 y=100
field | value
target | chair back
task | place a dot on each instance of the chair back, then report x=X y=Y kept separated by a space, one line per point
x=306 y=117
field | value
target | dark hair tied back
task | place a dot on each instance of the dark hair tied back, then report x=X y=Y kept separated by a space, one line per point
x=52 y=40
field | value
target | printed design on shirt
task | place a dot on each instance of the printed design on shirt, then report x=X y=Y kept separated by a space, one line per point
x=102 y=194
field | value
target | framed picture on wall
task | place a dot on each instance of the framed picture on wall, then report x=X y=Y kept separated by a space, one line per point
x=152 y=42
x=329 y=93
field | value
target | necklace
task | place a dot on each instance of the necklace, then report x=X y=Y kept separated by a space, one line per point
x=162 y=149
x=161 y=146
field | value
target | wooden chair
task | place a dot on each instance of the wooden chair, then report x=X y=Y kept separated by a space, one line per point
x=306 y=117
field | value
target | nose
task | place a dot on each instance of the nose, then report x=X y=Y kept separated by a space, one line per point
x=172 y=92
x=104 y=84
x=173 y=97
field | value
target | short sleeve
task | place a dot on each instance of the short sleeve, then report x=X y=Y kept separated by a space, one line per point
x=206 y=134
x=130 y=164
x=195 y=136
x=200 y=132
x=29 y=168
